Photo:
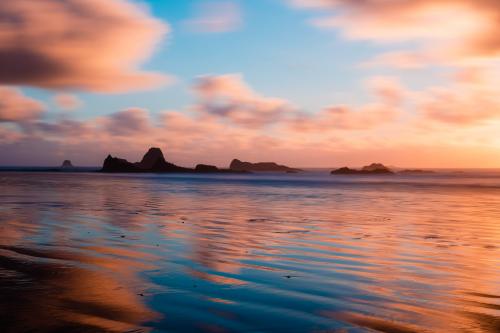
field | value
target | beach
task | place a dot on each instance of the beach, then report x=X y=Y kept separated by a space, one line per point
x=306 y=252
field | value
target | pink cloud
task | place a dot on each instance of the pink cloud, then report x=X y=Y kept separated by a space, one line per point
x=67 y=102
x=341 y=117
x=229 y=97
x=215 y=17
x=344 y=133
x=82 y=44
x=389 y=96
x=16 y=107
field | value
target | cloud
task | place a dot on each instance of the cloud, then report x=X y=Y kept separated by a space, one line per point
x=342 y=117
x=229 y=97
x=389 y=96
x=128 y=122
x=227 y=122
x=458 y=31
x=472 y=99
x=337 y=135
x=67 y=102
x=68 y=129
x=215 y=17
x=16 y=107
x=388 y=90
x=79 y=44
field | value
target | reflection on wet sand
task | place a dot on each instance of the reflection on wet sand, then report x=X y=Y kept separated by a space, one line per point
x=62 y=287
x=105 y=253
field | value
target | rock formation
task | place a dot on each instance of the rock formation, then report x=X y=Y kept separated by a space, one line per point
x=153 y=161
x=115 y=164
x=206 y=168
x=372 y=169
x=376 y=167
x=238 y=165
x=345 y=171
x=67 y=165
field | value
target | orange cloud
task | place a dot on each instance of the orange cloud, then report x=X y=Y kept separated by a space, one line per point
x=16 y=107
x=82 y=44
x=473 y=98
x=471 y=33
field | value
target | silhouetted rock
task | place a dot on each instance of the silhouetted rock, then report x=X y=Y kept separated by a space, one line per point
x=238 y=165
x=152 y=157
x=115 y=164
x=206 y=168
x=153 y=161
x=345 y=171
x=67 y=164
x=376 y=168
x=372 y=169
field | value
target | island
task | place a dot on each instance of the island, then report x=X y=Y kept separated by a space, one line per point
x=67 y=164
x=65 y=167
x=372 y=169
x=154 y=162
x=238 y=165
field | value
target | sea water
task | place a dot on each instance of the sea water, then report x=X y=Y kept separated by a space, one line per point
x=307 y=252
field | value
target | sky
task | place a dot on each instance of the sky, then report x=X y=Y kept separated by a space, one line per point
x=307 y=83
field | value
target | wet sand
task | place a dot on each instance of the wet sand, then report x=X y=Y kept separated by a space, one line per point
x=249 y=253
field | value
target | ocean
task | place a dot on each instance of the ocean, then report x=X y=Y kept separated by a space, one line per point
x=306 y=252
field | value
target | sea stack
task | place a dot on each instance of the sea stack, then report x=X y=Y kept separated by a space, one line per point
x=154 y=161
x=67 y=165
x=238 y=165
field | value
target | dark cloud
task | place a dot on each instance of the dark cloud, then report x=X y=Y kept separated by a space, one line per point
x=83 y=44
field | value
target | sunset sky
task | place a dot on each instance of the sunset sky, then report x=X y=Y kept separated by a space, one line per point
x=308 y=83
